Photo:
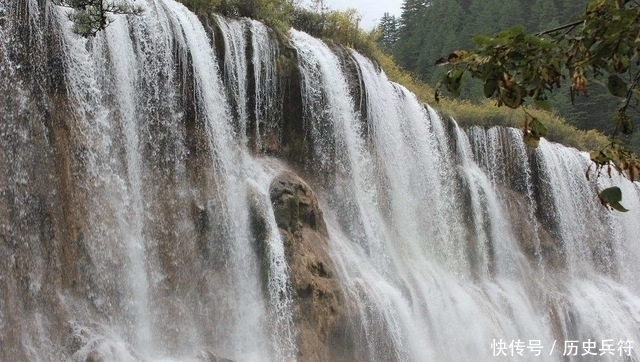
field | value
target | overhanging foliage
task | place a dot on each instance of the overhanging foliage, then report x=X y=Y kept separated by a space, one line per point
x=519 y=69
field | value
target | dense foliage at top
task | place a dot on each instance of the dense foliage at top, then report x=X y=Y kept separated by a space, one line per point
x=91 y=16
x=602 y=45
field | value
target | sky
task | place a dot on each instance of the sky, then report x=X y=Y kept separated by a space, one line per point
x=370 y=10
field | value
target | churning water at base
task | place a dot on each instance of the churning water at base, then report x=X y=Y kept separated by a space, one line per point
x=150 y=148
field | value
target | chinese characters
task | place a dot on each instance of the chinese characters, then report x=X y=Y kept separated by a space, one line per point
x=532 y=347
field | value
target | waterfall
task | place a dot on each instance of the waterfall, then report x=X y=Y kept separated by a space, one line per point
x=235 y=66
x=121 y=200
x=265 y=55
x=123 y=66
x=139 y=222
x=336 y=128
x=409 y=284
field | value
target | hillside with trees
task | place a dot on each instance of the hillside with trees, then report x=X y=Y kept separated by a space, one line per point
x=430 y=29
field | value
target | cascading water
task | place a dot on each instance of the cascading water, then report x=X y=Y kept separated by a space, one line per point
x=336 y=130
x=265 y=55
x=503 y=157
x=235 y=66
x=138 y=219
x=130 y=89
x=490 y=276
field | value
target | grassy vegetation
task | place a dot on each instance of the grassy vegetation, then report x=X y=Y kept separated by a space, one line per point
x=487 y=114
x=341 y=27
x=396 y=74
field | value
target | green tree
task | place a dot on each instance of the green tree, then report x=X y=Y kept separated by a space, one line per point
x=412 y=26
x=275 y=13
x=601 y=47
x=388 y=28
x=91 y=16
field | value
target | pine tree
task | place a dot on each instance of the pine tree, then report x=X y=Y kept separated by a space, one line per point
x=407 y=49
x=91 y=16
x=388 y=27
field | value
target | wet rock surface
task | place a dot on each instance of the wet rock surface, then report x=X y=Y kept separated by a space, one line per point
x=208 y=356
x=321 y=313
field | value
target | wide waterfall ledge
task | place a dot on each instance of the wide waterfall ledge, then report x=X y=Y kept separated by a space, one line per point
x=200 y=189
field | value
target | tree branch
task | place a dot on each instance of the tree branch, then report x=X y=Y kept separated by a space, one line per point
x=562 y=27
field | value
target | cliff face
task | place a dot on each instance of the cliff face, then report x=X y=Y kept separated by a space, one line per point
x=196 y=189
x=68 y=204
x=41 y=229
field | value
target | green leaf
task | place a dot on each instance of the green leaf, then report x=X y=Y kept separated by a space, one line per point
x=594 y=47
x=594 y=5
x=481 y=40
x=543 y=104
x=490 y=87
x=624 y=123
x=511 y=32
x=613 y=196
x=599 y=157
x=512 y=97
x=453 y=81
x=537 y=128
x=617 y=86
x=622 y=64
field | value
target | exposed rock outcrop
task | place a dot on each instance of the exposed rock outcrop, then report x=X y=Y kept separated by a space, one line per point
x=208 y=356
x=94 y=348
x=321 y=313
x=532 y=236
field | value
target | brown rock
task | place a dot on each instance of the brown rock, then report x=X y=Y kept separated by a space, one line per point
x=104 y=350
x=208 y=356
x=324 y=326
x=295 y=204
x=528 y=236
